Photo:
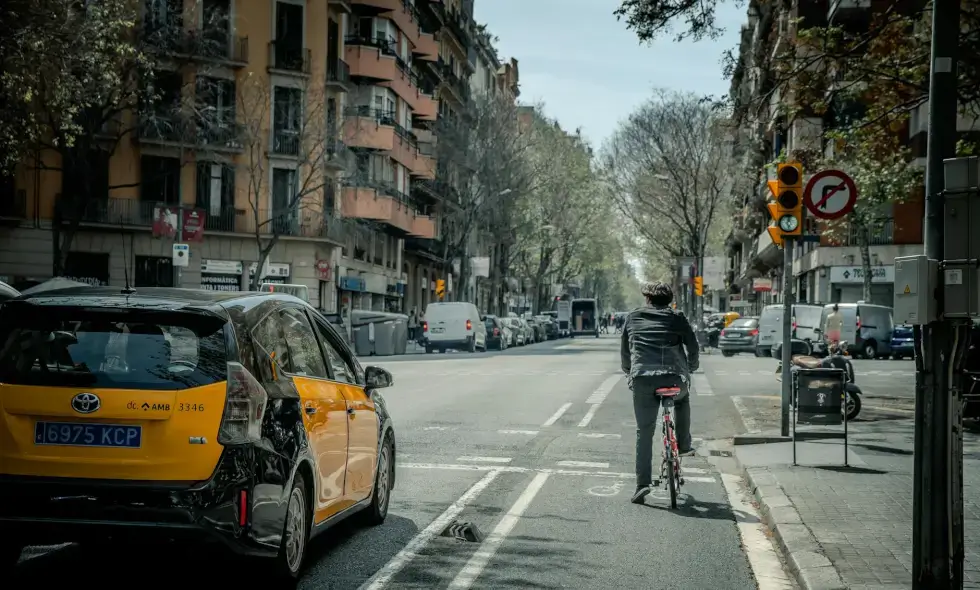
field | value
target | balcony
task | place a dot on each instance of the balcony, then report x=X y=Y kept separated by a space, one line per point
x=219 y=45
x=427 y=48
x=457 y=85
x=432 y=249
x=285 y=57
x=402 y=13
x=406 y=152
x=459 y=24
x=376 y=203
x=338 y=75
x=374 y=59
x=882 y=234
x=424 y=227
x=285 y=142
x=369 y=128
x=117 y=212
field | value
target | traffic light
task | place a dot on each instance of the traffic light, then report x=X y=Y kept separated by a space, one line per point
x=787 y=210
x=699 y=286
x=440 y=288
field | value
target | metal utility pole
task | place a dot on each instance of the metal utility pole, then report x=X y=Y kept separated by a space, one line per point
x=937 y=521
x=787 y=349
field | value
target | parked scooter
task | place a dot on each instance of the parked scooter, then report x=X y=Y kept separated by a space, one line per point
x=837 y=358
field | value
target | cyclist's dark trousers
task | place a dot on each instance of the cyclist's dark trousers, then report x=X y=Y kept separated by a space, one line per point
x=646 y=408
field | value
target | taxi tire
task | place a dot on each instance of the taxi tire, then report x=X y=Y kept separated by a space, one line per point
x=376 y=513
x=282 y=569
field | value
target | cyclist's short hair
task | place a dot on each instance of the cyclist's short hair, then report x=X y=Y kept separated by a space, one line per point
x=657 y=293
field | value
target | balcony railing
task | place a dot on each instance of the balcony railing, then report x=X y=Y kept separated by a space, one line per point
x=381 y=116
x=338 y=72
x=166 y=127
x=385 y=45
x=285 y=142
x=213 y=43
x=112 y=211
x=459 y=25
x=882 y=234
x=407 y=135
x=287 y=57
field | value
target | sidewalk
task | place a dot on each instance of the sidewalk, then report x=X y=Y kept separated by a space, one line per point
x=851 y=527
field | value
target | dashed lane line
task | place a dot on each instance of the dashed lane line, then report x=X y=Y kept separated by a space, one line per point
x=596 y=465
x=408 y=553
x=557 y=415
x=484 y=459
x=598 y=396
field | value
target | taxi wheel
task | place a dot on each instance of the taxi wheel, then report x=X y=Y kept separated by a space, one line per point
x=296 y=532
x=375 y=513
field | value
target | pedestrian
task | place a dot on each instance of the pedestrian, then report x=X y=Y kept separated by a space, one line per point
x=834 y=325
x=413 y=325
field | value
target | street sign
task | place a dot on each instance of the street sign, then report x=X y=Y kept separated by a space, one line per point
x=181 y=254
x=830 y=194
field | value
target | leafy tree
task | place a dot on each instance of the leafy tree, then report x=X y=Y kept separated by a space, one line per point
x=286 y=199
x=670 y=167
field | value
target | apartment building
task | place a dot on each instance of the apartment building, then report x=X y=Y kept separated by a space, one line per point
x=829 y=270
x=222 y=182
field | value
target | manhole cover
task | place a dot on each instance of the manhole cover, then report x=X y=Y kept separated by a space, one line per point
x=717 y=453
x=463 y=531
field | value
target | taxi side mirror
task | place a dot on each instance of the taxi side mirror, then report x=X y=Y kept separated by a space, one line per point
x=377 y=378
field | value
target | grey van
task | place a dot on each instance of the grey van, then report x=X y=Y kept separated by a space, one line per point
x=806 y=324
x=867 y=329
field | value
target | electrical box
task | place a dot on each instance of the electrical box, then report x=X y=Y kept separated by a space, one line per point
x=915 y=290
x=961 y=243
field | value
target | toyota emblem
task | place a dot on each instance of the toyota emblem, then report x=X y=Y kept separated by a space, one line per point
x=86 y=403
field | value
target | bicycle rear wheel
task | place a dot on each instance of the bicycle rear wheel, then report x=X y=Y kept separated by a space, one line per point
x=671 y=472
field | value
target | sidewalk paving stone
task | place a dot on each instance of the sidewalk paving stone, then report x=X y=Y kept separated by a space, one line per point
x=851 y=527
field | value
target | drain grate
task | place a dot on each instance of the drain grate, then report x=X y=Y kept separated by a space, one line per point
x=717 y=453
x=463 y=531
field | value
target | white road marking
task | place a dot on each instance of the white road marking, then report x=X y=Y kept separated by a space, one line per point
x=699 y=479
x=763 y=559
x=598 y=396
x=422 y=539
x=474 y=567
x=750 y=425
x=527 y=432
x=439 y=428
x=701 y=385
x=606 y=491
x=695 y=470
x=583 y=464
x=484 y=459
x=513 y=469
x=554 y=417
x=598 y=435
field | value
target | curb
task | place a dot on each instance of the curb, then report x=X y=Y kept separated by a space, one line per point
x=806 y=560
x=759 y=439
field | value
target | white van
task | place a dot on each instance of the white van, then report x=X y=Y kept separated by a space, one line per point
x=806 y=324
x=453 y=325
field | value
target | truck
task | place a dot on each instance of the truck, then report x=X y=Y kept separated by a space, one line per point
x=585 y=317
x=564 y=309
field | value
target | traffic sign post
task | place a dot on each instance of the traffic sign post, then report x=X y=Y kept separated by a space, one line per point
x=830 y=194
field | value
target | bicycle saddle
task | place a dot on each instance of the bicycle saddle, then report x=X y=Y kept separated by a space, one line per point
x=807 y=362
x=668 y=391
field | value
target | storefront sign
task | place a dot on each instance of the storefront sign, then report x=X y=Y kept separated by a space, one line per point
x=221 y=275
x=324 y=270
x=855 y=274
x=351 y=284
x=762 y=284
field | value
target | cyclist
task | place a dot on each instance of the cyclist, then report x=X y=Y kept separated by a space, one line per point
x=659 y=349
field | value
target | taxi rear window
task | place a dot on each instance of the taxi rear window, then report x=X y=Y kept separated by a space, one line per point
x=79 y=348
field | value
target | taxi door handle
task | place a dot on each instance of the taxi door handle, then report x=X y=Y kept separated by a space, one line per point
x=310 y=409
x=350 y=412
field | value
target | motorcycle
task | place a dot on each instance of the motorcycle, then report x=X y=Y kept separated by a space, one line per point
x=837 y=358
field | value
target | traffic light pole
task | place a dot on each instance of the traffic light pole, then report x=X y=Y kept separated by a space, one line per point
x=787 y=349
x=937 y=510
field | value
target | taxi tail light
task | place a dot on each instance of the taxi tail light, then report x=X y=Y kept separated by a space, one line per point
x=469 y=325
x=245 y=402
x=754 y=333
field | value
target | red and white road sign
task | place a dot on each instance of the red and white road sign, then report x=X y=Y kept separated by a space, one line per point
x=830 y=194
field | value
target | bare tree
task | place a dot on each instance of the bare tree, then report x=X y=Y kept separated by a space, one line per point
x=286 y=150
x=671 y=165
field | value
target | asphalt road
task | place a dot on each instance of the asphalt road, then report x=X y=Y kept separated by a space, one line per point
x=533 y=447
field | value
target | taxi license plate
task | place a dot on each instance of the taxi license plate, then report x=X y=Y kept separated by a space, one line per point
x=74 y=434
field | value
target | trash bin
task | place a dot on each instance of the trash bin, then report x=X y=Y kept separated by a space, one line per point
x=819 y=396
x=384 y=337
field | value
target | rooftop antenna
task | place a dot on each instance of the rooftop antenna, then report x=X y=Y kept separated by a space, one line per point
x=128 y=289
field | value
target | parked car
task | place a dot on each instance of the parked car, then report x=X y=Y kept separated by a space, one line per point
x=550 y=326
x=806 y=324
x=496 y=332
x=742 y=335
x=538 y=330
x=902 y=345
x=242 y=418
x=517 y=331
x=867 y=328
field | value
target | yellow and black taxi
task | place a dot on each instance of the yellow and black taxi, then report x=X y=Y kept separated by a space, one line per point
x=172 y=413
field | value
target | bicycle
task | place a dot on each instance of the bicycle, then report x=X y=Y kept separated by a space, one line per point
x=670 y=466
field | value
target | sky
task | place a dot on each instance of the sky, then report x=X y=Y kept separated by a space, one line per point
x=589 y=70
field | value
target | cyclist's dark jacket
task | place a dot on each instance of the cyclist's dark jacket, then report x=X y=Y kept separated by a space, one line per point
x=658 y=341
